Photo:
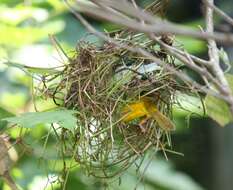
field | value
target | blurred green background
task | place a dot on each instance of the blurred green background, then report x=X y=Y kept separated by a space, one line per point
x=24 y=28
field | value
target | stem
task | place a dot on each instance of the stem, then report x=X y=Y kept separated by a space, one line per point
x=10 y=182
x=214 y=56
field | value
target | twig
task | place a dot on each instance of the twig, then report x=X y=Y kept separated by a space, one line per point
x=134 y=3
x=214 y=57
x=10 y=182
x=143 y=52
x=126 y=14
x=186 y=58
x=151 y=24
x=176 y=52
x=220 y=13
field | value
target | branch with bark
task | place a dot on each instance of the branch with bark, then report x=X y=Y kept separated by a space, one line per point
x=131 y=16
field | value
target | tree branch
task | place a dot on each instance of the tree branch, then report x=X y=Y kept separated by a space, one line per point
x=143 y=52
x=214 y=56
x=126 y=14
x=220 y=12
x=151 y=24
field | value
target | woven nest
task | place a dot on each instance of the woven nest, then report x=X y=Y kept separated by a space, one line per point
x=99 y=83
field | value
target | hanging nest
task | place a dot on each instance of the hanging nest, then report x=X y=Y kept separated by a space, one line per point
x=122 y=101
x=103 y=84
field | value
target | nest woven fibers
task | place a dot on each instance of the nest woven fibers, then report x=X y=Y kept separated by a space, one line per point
x=123 y=102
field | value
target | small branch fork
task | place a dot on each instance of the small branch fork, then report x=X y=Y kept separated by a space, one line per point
x=129 y=15
x=214 y=55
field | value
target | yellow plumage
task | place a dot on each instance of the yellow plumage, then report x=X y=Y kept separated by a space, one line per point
x=145 y=107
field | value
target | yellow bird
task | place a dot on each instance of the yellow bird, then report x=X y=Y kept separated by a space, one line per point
x=145 y=107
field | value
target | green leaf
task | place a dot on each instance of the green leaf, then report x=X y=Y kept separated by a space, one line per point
x=188 y=104
x=3 y=114
x=30 y=69
x=218 y=109
x=65 y=118
x=225 y=59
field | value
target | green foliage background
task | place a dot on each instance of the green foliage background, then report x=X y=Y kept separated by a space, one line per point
x=24 y=29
